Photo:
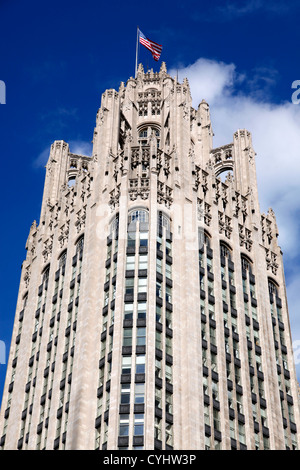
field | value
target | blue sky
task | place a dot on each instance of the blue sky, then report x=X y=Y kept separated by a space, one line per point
x=56 y=58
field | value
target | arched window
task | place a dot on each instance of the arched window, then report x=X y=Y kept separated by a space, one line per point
x=273 y=289
x=45 y=273
x=138 y=215
x=62 y=259
x=203 y=238
x=79 y=244
x=71 y=181
x=145 y=134
x=114 y=227
x=246 y=264
x=163 y=221
x=225 y=251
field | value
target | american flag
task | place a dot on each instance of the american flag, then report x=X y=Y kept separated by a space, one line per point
x=153 y=47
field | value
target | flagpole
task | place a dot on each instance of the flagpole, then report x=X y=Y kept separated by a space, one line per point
x=136 y=52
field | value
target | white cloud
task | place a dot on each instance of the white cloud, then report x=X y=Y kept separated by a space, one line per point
x=275 y=136
x=275 y=130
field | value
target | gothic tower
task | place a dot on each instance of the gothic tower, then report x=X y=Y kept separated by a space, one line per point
x=152 y=311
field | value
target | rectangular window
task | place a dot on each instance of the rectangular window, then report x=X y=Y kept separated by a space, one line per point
x=159 y=243
x=168 y=271
x=158 y=397
x=129 y=286
x=128 y=311
x=252 y=291
x=158 y=368
x=125 y=394
x=158 y=313
x=168 y=319
x=138 y=425
x=139 y=393
x=169 y=345
x=142 y=285
x=210 y=287
x=169 y=402
x=142 y=309
x=130 y=263
x=127 y=337
x=168 y=248
x=131 y=240
x=141 y=336
x=169 y=434
x=168 y=294
x=144 y=239
x=159 y=265
x=143 y=262
x=158 y=340
x=158 y=289
x=209 y=265
x=124 y=425
x=140 y=365
x=157 y=429
x=168 y=373
x=126 y=365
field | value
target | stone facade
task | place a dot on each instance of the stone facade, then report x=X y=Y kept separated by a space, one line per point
x=152 y=310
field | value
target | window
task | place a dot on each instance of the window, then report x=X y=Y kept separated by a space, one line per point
x=158 y=368
x=130 y=262
x=138 y=425
x=163 y=221
x=79 y=245
x=140 y=365
x=169 y=402
x=144 y=239
x=114 y=227
x=159 y=243
x=209 y=265
x=168 y=319
x=246 y=264
x=125 y=394
x=124 y=425
x=168 y=271
x=204 y=239
x=143 y=262
x=71 y=181
x=142 y=285
x=157 y=429
x=168 y=294
x=63 y=259
x=139 y=393
x=141 y=336
x=158 y=313
x=168 y=248
x=168 y=373
x=225 y=251
x=158 y=397
x=158 y=340
x=139 y=215
x=158 y=289
x=272 y=289
x=159 y=265
x=142 y=309
x=126 y=365
x=127 y=337
x=129 y=286
x=145 y=134
x=169 y=345
x=131 y=239
x=128 y=311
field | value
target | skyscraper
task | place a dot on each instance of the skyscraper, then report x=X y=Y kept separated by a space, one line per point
x=152 y=311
